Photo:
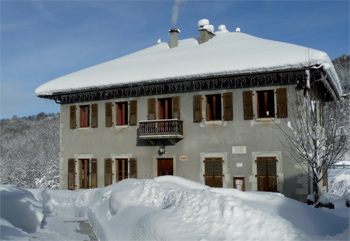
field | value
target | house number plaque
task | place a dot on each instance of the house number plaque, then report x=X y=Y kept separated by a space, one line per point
x=183 y=158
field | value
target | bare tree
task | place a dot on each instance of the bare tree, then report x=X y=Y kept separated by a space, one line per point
x=317 y=133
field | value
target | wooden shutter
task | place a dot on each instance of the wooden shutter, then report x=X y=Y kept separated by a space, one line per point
x=133 y=113
x=94 y=115
x=213 y=172
x=261 y=171
x=282 y=111
x=176 y=107
x=271 y=175
x=228 y=108
x=71 y=174
x=248 y=105
x=108 y=171
x=133 y=168
x=73 y=119
x=109 y=118
x=151 y=109
x=197 y=108
x=93 y=173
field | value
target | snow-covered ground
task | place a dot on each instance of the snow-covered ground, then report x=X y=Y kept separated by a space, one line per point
x=339 y=179
x=165 y=208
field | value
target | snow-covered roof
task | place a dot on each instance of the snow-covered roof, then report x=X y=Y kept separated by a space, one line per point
x=225 y=54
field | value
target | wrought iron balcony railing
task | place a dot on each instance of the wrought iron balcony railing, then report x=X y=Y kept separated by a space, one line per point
x=161 y=129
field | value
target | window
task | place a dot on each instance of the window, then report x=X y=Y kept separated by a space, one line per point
x=88 y=116
x=266 y=104
x=84 y=167
x=213 y=172
x=122 y=169
x=164 y=109
x=85 y=116
x=122 y=113
x=213 y=107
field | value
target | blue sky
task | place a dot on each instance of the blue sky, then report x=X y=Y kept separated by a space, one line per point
x=43 y=40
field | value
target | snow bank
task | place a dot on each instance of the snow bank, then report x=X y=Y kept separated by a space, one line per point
x=20 y=212
x=339 y=180
x=173 y=208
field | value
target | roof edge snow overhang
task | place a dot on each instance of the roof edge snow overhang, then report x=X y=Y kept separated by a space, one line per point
x=191 y=84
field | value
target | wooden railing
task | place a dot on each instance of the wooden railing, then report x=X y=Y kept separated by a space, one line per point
x=153 y=129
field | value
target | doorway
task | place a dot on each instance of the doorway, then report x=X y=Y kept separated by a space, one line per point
x=165 y=166
x=213 y=172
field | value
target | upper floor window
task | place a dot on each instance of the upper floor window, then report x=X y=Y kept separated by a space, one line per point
x=164 y=108
x=87 y=116
x=217 y=107
x=266 y=104
x=269 y=104
x=213 y=107
x=125 y=113
x=122 y=113
x=168 y=108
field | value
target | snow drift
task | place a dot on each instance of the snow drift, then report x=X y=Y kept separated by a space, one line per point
x=172 y=208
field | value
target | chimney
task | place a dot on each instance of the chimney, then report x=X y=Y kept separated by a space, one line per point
x=174 y=37
x=206 y=31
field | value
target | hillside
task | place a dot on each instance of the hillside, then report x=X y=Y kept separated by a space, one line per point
x=29 y=151
x=342 y=66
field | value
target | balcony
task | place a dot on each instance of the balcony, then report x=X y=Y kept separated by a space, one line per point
x=171 y=129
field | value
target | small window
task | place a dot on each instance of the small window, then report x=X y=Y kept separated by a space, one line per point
x=85 y=116
x=213 y=107
x=165 y=109
x=122 y=169
x=122 y=113
x=84 y=171
x=266 y=104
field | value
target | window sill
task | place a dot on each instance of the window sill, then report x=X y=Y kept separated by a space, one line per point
x=215 y=123
x=84 y=128
x=265 y=121
x=119 y=128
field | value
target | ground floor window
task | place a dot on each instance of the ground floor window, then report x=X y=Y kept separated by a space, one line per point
x=122 y=169
x=267 y=174
x=239 y=183
x=213 y=172
x=84 y=171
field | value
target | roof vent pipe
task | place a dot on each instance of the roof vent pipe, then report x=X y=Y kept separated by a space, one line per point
x=174 y=37
x=206 y=31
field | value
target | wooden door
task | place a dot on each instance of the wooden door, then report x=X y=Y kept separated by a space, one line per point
x=165 y=167
x=213 y=172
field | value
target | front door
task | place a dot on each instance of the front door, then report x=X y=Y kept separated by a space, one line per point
x=213 y=172
x=165 y=167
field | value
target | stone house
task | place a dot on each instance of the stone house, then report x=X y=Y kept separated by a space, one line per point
x=208 y=109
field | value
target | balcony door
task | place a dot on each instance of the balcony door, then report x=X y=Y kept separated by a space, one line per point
x=164 y=109
x=165 y=166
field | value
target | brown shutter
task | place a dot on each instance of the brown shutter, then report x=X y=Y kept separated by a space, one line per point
x=108 y=171
x=133 y=168
x=282 y=111
x=261 y=171
x=197 y=108
x=94 y=115
x=73 y=120
x=133 y=113
x=93 y=173
x=151 y=109
x=272 y=176
x=228 y=108
x=248 y=105
x=71 y=174
x=176 y=107
x=109 y=119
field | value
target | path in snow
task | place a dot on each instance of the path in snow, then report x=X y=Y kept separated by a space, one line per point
x=64 y=228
